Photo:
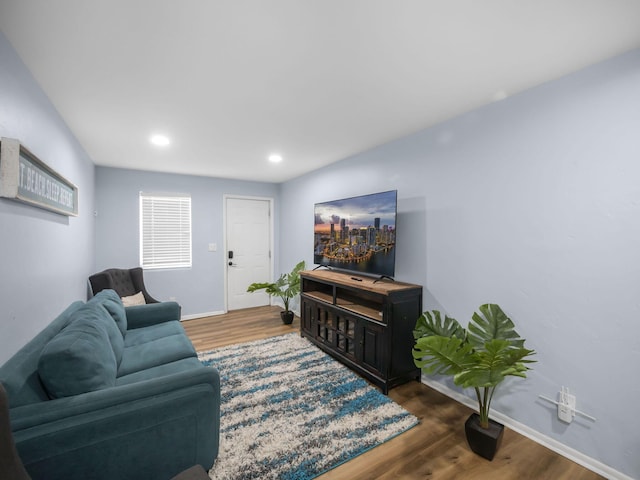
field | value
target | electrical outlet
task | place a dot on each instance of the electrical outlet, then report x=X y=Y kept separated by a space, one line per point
x=172 y=299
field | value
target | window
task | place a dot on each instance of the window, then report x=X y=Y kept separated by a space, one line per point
x=165 y=230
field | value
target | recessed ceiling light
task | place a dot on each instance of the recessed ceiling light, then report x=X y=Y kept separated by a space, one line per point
x=499 y=95
x=160 y=140
x=275 y=158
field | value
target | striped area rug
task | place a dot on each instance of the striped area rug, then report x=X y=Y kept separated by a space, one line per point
x=289 y=411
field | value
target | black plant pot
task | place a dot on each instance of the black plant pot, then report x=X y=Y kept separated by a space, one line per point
x=287 y=317
x=483 y=441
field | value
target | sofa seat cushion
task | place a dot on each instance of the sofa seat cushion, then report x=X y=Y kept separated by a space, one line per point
x=183 y=365
x=80 y=357
x=155 y=352
x=142 y=335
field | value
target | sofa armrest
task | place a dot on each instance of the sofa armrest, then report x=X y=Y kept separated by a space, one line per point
x=158 y=426
x=152 y=313
x=28 y=416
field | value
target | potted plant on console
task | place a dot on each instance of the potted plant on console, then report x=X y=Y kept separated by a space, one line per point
x=479 y=357
x=286 y=287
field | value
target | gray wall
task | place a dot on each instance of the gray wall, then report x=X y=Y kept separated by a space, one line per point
x=45 y=257
x=532 y=203
x=200 y=289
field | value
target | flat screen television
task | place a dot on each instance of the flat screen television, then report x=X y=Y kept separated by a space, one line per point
x=357 y=234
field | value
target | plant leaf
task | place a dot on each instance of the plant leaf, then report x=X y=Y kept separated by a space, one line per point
x=431 y=323
x=441 y=355
x=492 y=324
x=489 y=367
x=258 y=286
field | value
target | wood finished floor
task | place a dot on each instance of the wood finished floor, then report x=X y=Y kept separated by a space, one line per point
x=435 y=449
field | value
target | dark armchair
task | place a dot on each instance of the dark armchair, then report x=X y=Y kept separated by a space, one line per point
x=125 y=281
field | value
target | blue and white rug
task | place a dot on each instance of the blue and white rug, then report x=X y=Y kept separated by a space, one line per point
x=289 y=411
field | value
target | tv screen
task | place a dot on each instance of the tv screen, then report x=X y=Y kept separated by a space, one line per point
x=357 y=233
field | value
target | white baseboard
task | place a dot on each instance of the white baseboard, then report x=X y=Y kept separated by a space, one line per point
x=201 y=315
x=552 y=444
x=222 y=312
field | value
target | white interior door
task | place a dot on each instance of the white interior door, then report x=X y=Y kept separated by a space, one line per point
x=248 y=250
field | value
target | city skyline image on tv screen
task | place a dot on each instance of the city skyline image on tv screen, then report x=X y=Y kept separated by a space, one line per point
x=357 y=233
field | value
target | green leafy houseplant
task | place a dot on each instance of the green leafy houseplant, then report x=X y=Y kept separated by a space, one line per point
x=479 y=357
x=286 y=287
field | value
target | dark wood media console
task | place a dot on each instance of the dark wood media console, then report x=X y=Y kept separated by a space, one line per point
x=364 y=324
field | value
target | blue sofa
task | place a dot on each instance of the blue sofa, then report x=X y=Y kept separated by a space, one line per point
x=108 y=392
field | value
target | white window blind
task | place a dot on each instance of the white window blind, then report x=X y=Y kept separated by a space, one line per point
x=165 y=231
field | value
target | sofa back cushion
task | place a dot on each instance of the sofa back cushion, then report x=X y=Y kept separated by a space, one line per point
x=99 y=314
x=110 y=300
x=19 y=374
x=80 y=358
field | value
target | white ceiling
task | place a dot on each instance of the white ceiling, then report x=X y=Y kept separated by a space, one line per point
x=233 y=81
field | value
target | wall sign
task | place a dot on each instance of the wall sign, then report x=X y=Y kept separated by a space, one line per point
x=25 y=178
